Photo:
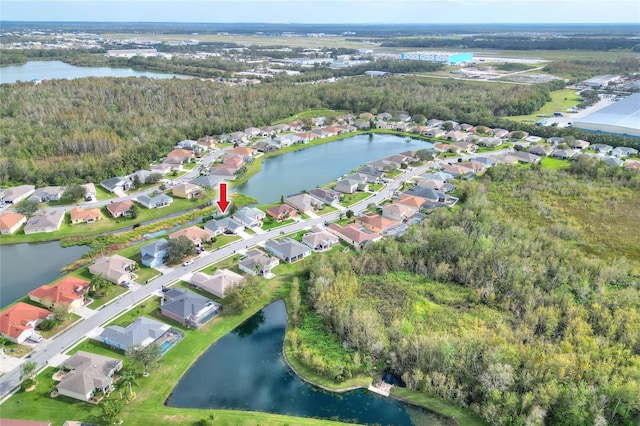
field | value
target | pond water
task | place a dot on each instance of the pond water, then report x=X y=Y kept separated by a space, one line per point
x=24 y=267
x=315 y=166
x=245 y=370
x=47 y=70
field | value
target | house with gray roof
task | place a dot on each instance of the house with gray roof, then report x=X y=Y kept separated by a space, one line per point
x=87 y=373
x=224 y=225
x=373 y=174
x=287 y=249
x=47 y=193
x=541 y=150
x=486 y=161
x=16 y=194
x=601 y=148
x=142 y=332
x=564 y=154
x=319 y=240
x=207 y=181
x=327 y=196
x=613 y=162
x=116 y=184
x=555 y=140
x=249 y=217
x=257 y=262
x=525 y=157
x=623 y=151
x=154 y=201
x=188 y=308
x=49 y=221
x=152 y=254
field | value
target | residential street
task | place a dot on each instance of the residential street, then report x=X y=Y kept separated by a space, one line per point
x=49 y=354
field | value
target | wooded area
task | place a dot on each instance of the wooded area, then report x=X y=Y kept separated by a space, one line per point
x=499 y=305
x=95 y=128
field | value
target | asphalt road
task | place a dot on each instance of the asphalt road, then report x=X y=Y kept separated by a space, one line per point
x=61 y=343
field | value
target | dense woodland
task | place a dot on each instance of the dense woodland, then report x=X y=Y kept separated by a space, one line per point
x=95 y=128
x=498 y=305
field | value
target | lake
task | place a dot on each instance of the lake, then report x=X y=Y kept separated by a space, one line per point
x=315 y=166
x=47 y=70
x=245 y=370
x=24 y=267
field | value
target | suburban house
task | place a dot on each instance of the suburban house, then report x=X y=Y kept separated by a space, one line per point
x=207 y=181
x=224 y=225
x=304 y=203
x=601 y=148
x=306 y=137
x=49 y=221
x=188 y=308
x=500 y=133
x=10 y=222
x=184 y=155
x=327 y=196
x=194 y=233
x=281 y=212
x=17 y=193
x=435 y=133
x=362 y=125
x=398 y=212
x=161 y=168
x=612 y=161
x=412 y=201
x=252 y=131
x=249 y=217
x=69 y=290
x=623 y=151
x=186 y=190
x=455 y=136
x=445 y=147
x=319 y=239
x=154 y=201
x=187 y=144
x=152 y=254
x=80 y=215
x=266 y=146
x=233 y=160
x=116 y=184
x=257 y=262
x=352 y=183
x=142 y=332
x=563 y=154
x=88 y=373
x=224 y=171
x=47 y=193
x=115 y=268
x=207 y=142
x=581 y=144
x=489 y=142
x=354 y=234
x=376 y=223
x=20 y=320
x=541 y=150
x=90 y=193
x=120 y=208
x=243 y=151
x=525 y=157
x=218 y=283
x=465 y=146
x=287 y=249
x=366 y=116
x=372 y=173
x=238 y=137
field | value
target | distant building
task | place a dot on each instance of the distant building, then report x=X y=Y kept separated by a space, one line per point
x=620 y=118
x=447 y=58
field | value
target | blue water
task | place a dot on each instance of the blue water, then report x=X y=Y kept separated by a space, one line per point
x=245 y=370
x=318 y=165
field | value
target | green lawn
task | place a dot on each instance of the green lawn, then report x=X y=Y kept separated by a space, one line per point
x=223 y=240
x=71 y=319
x=561 y=100
x=555 y=163
x=461 y=417
x=114 y=292
x=326 y=209
x=351 y=199
x=272 y=223
x=15 y=350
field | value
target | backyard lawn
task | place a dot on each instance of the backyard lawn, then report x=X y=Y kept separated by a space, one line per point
x=555 y=163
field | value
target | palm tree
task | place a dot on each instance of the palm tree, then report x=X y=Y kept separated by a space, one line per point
x=127 y=378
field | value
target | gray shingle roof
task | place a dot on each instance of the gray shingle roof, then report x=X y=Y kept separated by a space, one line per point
x=143 y=331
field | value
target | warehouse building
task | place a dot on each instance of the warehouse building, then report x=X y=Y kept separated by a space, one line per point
x=448 y=58
x=622 y=118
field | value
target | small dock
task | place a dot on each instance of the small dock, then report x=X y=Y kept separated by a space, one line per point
x=381 y=388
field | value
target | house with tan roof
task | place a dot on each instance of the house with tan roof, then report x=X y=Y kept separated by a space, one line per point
x=115 y=268
x=243 y=151
x=281 y=212
x=218 y=283
x=398 y=212
x=19 y=321
x=412 y=201
x=257 y=262
x=90 y=193
x=319 y=239
x=304 y=203
x=183 y=154
x=10 y=222
x=49 y=221
x=88 y=373
x=354 y=234
x=68 y=291
x=80 y=215
x=186 y=190
x=120 y=208
x=194 y=233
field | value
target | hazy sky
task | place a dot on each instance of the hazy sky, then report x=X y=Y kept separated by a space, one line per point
x=325 y=11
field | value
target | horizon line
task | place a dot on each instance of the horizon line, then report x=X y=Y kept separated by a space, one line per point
x=328 y=23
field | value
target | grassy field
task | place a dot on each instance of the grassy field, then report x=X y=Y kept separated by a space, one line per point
x=561 y=100
x=555 y=163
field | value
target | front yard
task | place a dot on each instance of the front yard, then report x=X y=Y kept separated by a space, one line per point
x=356 y=197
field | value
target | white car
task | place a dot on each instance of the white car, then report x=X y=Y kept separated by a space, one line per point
x=187 y=262
x=35 y=338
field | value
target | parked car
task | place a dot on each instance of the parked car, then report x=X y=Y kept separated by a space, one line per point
x=35 y=338
x=187 y=262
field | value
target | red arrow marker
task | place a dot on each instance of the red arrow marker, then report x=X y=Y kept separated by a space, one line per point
x=223 y=203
